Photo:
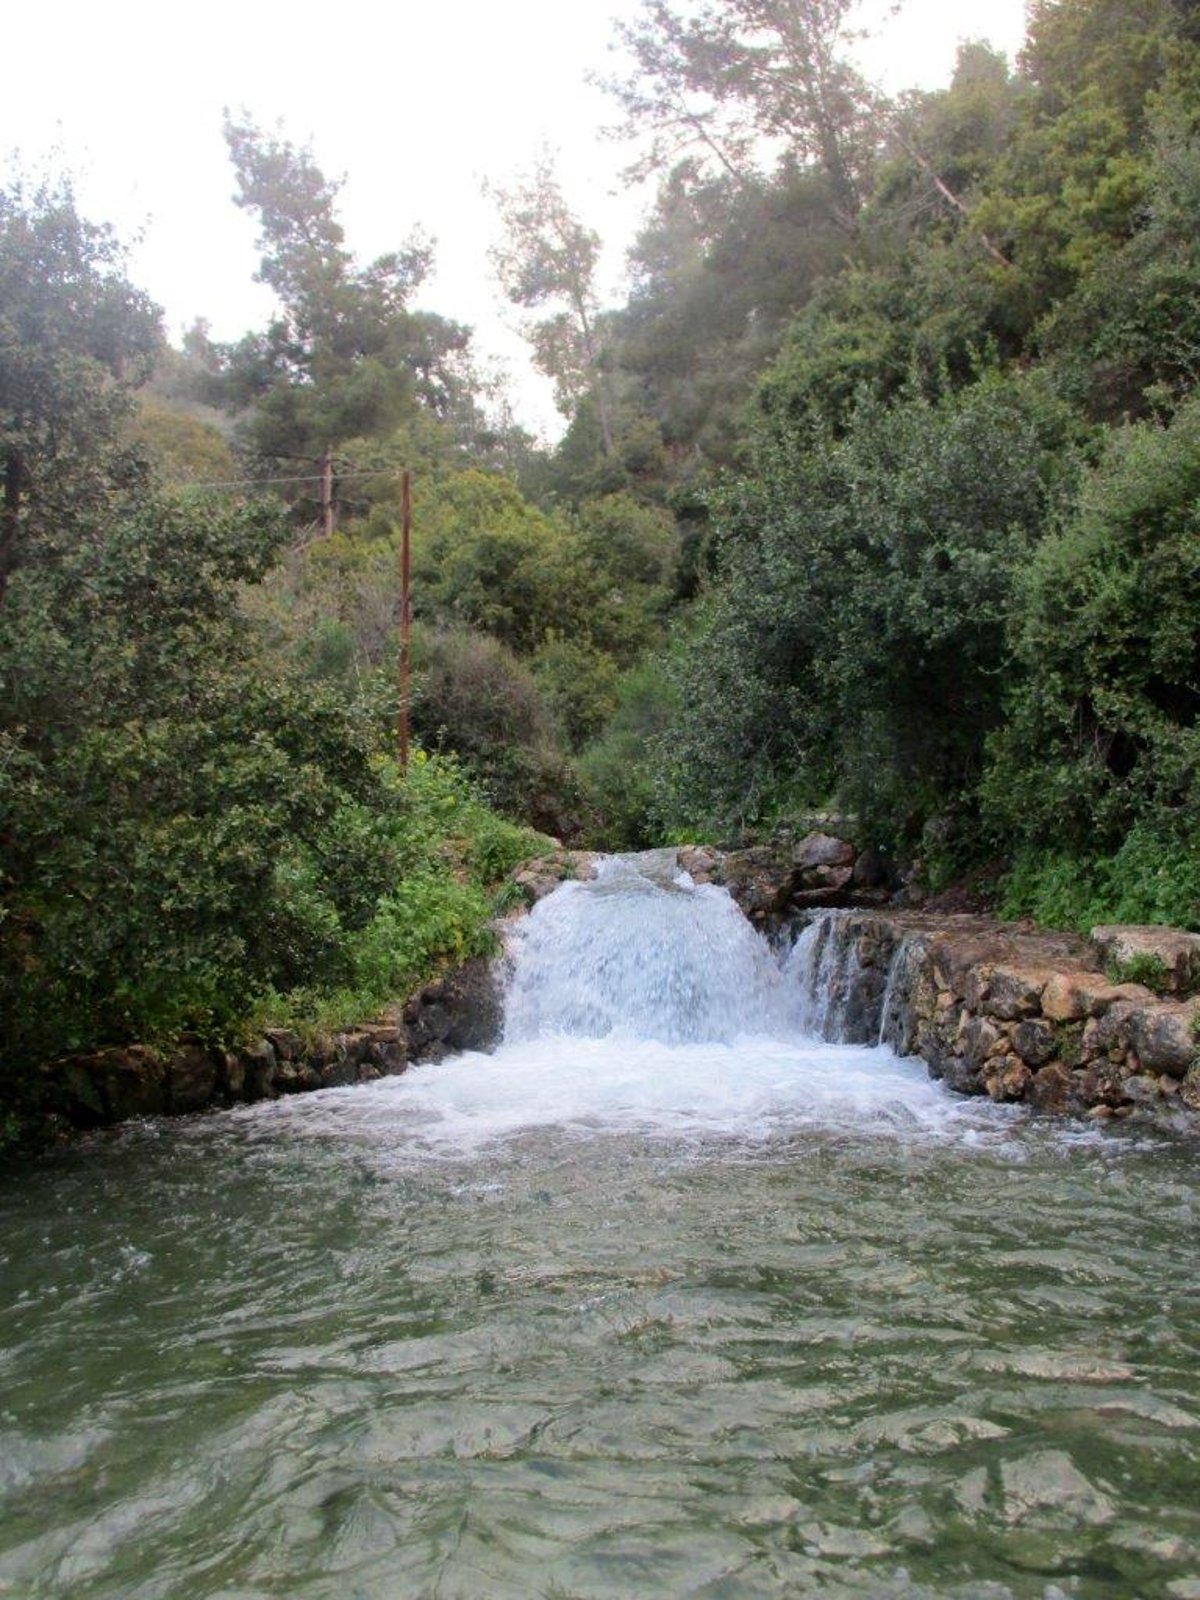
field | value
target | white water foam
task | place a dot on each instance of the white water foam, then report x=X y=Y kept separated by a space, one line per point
x=640 y=1003
x=750 y=1090
x=642 y=957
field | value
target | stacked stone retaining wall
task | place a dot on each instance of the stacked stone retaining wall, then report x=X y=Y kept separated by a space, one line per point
x=1022 y=1015
x=461 y=1011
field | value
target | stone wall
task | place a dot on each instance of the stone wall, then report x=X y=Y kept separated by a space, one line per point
x=1017 y=1014
x=461 y=1011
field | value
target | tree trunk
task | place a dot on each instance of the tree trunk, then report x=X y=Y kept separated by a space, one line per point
x=14 y=473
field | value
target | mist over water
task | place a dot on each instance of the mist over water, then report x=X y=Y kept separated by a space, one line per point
x=665 y=1298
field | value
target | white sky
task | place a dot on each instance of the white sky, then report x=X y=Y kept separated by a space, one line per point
x=416 y=103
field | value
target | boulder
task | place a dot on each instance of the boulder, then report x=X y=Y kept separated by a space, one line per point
x=132 y=1082
x=1013 y=993
x=191 y=1079
x=1175 y=953
x=462 y=1011
x=978 y=1039
x=1007 y=1078
x=761 y=880
x=232 y=1077
x=1110 y=1034
x=386 y=1053
x=536 y=879
x=1051 y=1088
x=1164 y=1035
x=297 y=1077
x=822 y=850
x=699 y=861
x=1071 y=996
x=259 y=1062
x=1102 y=1083
x=1034 y=1041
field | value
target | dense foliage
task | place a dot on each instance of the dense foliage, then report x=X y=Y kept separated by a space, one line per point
x=196 y=828
x=948 y=577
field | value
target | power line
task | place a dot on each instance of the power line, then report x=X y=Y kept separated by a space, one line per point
x=308 y=477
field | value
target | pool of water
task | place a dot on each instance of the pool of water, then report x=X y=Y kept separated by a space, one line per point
x=591 y=1319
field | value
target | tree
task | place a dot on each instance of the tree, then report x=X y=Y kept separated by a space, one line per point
x=75 y=337
x=854 y=643
x=718 y=270
x=1104 y=723
x=1075 y=176
x=547 y=262
x=724 y=76
x=1127 y=341
x=346 y=357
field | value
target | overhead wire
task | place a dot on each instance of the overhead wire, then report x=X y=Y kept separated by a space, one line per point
x=307 y=477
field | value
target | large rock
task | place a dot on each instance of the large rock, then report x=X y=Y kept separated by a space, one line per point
x=822 y=850
x=699 y=861
x=761 y=880
x=1175 y=955
x=538 y=878
x=1165 y=1036
x=260 y=1064
x=132 y=1082
x=191 y=1079
x=462 y=1011
x=1072 y=996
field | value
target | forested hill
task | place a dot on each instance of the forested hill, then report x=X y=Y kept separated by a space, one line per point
x=882 y=490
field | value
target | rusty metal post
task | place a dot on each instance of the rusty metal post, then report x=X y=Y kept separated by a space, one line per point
x=327 y=494
x=405 y=612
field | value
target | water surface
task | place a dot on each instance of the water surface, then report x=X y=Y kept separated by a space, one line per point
x=605 y=1317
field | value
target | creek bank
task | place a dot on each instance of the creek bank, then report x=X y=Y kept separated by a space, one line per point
x=1020 y=1014
x=462 y=1010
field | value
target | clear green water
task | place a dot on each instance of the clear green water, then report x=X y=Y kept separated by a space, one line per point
x=794 y=1323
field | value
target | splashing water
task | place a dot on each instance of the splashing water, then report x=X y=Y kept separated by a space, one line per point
x=639 y=1001
x=646 y=955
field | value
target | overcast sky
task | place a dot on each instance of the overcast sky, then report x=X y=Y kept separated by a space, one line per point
x=417 y=104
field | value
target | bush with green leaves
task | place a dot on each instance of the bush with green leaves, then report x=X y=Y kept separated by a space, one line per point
x=1100 y=755
x=854 y=646
x=616 y=769
x=1153 y=877
x=186 y=826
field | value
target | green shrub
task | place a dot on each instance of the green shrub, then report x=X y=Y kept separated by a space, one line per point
x=1145 y=968
x=616 y=770
x=1154 y=877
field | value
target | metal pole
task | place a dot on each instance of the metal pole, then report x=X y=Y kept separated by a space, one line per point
x=327 y=494
x=405 y=612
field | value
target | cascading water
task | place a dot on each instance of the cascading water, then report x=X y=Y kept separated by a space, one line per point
x=667 y=1297
x=642 y=951
x=639 y=1000
x=844 y=991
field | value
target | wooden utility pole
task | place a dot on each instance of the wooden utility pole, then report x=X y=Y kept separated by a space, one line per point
x=327 y=494
x=405 y=612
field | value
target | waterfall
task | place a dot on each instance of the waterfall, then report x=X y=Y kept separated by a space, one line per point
x=641 y=950
x=640 y=1001
x=849 y=983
